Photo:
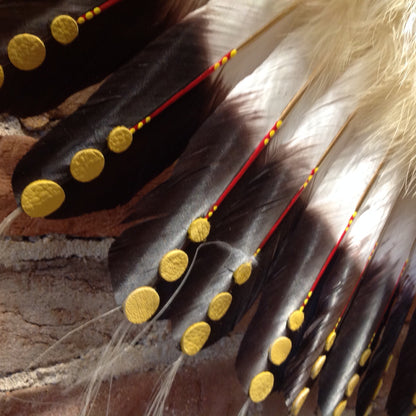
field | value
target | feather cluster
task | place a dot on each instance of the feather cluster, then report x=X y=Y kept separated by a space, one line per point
x=292 y=127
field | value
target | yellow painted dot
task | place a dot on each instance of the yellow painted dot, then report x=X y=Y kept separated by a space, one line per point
x=42 y=197
x=352 y=384
x=140 y=125
x=317 y=366
x=299 y=401
x=330 y=341
x=339 y=410
x=216 y=66
x=80 y=20
x=369 y=410
x=199 y=230
x=389 y=360
x=261 y=386
x=195 y=337
x=224 y=60
x=219 y=306
x=295 y=320
x=266 y=142
x=87 y=165
x=64 y=29
x=141 y=304
x=215 y=207
x=378 y=388
x=119 y=139
x=364 y=357
x=89 y=15
x=173 y=265
x=279 y=124
x=97 y=10
x=148 y=118
x=233 y=53
x=1 y=76
x=272 y=132
x=242 y=273
x=280 y=350
x=210 y=214
x=26 y=51
x=414 y=400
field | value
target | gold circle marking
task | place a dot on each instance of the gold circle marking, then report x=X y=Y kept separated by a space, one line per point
x=87 y=165
x=199 y=230
x=242 y=273
x=141 y=304
x=280 y=350
x=26 y=51
x=42 y=197
x=300 y=401
x=295 y=320
x=352 y=384
x=340 y=408
x=173 y=265
x=119 y=139
x=64 y=29
x=195 y=337
x=330 y=341
x=219 y=306
x=261 y=386
x=1 y=76
x=317 y=366
x=365 y=356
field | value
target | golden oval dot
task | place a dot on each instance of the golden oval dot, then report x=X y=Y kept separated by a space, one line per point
x=242 y=273
x=119 y=139
x=42 y=197
x=369 y=410
x=89 y=15
x=300 y=401
x=173 y=265
x=87 y=165
x=352 y=384
x=330 y=341
x=378 y=388
x=141 y=304
x=97 y=10
x=1 y=76
x=261 y=386
x=365 y=356
x=26 y=51
x=317 y=366
x=199 y=230
x=64 y=29
x=295 y=320
x=279 y=350
x=219 y=306
x=195 y=337
x=339 y=410
x=386 y=368
x=414 y=400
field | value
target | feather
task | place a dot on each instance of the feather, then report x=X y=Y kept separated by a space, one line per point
x=341 y=280
x=401 y=399
x=378 y=365
x=297 y=267
x=340 y=374
x=78 y=51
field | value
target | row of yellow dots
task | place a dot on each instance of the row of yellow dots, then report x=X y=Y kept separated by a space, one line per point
x=89 y=15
